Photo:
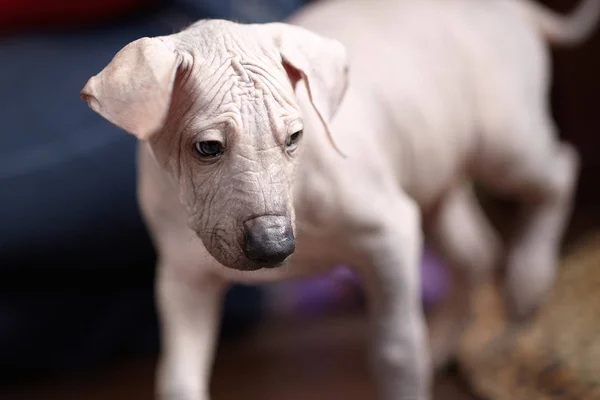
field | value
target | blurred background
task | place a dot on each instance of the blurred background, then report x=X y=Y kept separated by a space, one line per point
x=77 y=316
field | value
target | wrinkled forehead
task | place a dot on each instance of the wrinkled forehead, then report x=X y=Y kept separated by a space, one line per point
x=222 y=38
x=237 y=72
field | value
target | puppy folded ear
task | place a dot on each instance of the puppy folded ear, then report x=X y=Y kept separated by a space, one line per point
x=320 y=62
x=134 y=90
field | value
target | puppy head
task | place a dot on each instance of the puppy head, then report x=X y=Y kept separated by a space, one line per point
x=215 y=103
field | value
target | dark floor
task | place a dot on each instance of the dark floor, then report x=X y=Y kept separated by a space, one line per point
x=318 y=358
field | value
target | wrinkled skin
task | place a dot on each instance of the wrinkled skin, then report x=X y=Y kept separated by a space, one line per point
x=248 y=106
x=442 y=93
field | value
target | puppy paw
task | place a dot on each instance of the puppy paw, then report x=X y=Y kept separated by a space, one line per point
x=530 y=277
x=179 y=394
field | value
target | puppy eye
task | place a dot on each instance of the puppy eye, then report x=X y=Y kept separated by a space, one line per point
x=209 y=148
x=293 y=140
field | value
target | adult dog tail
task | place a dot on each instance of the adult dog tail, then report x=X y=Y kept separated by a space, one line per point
x=565 y=30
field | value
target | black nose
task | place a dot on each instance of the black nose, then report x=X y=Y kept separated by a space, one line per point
x=268 y=240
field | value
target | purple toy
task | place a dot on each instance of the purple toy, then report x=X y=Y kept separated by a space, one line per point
x=340 y=289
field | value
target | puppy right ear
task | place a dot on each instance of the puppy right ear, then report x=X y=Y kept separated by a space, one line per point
x=134 y=90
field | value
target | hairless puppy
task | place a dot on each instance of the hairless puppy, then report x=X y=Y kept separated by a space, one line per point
x=345 y=136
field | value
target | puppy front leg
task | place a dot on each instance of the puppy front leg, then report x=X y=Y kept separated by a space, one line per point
x=399 y=356
x=189 y=309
